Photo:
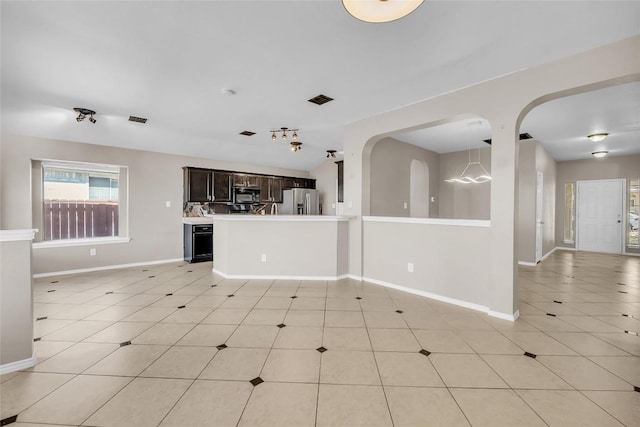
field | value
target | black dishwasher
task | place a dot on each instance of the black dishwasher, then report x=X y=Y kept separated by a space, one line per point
x=198 y=242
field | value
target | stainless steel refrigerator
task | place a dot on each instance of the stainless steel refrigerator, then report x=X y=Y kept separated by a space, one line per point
x=300 y=201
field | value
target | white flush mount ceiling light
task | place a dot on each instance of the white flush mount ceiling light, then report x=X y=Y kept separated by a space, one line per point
x=378 y=11
x=474 y=173
x=296 y=146
x=599 y=154
x=597 y=137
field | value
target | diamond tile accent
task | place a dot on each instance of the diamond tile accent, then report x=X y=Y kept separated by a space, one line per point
x=37 y=339
x=256 y=381
x=9 y=420
x=182 y=306
x=107 y=293
x=221 y=346
x=41 y=318
x=168 y=295
x=122 y=344
x=531 y=355
x=358 y=297
x=622 y=292
x=145 y=270
x=425 y=352
x=231 y=296
x=321 y=349
x=52 y=290
x=151 y=277
x=189 y=271
x=557 y=302
x=281 y=325
x=636 y=388
x=294 y=297
x=550 y=314
x=55 y=281
x=399 y=311
x=213 y=286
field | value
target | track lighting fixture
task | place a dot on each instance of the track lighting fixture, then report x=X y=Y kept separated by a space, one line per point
x=331 y=153
x=284 y=135
x=296 y=146
x=83 y=113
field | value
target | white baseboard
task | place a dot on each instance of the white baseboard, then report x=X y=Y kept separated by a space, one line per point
x=527 y=264
x=503 y=316
x=437 y=297
x=354 y=277
x=562 y=248
x=548 y=253
x=106 y=267
x=18 y=365
x=631 y=254
x=277 y=277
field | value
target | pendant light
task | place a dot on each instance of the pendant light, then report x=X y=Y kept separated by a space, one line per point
x=378 y=11
x=473 y=173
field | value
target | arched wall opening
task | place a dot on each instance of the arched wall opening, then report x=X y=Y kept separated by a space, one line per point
x=559 y=157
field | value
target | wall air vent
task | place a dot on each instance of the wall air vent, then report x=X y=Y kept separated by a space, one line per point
x=137 y=119
x=522 y=136
x=247 y=133
x=320 y=99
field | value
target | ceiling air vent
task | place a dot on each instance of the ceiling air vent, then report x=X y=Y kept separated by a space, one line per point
x=247 y=133
x=137 y=119
x=320 y=99
x=522 y=136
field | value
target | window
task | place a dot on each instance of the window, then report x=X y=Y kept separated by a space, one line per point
x=634 y=212
x=569 y=212
x=80 y=201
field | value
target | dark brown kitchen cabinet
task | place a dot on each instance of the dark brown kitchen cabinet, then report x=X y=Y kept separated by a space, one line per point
x=222 y=186
x=290 y=183
x=271 y=189
x=197 y=185
x=246 y=181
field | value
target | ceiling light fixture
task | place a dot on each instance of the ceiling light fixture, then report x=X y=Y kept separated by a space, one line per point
x=296 y=146
x=378 y=11
x=331 y=153
x=597 y=137
x=599 y=154
x=284 y=131
x=474 y=173
x=83 y=113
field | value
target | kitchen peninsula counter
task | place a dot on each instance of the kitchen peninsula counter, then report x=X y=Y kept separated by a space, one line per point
x=301 y=247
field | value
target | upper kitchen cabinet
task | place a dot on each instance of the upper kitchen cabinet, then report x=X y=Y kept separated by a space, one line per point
x=290 y=183
x=197 y=185
x=222 y=182
x=246 y=181
x=271 y=189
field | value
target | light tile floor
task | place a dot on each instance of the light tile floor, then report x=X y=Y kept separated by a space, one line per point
x=175 y=345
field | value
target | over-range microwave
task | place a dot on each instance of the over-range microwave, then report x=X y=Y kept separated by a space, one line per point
x=246 y=195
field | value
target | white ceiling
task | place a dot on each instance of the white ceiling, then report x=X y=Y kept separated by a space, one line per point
x=168 y=61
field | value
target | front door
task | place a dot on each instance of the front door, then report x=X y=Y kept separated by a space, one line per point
x=600 y=216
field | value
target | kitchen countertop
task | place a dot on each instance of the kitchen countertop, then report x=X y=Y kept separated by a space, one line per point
x=249 y=217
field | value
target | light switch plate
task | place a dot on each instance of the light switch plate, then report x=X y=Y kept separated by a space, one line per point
x=167 y=203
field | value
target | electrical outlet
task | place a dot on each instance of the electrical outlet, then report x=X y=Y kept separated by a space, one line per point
x=433 y=199
x=167 y=204
x=263 y=258
x=92 y=251
x=410 y=267
x=333 y=205
x=405 y=205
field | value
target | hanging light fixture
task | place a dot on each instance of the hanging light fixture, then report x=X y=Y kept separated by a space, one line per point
x=294 y=136
x=331 y=153
x=273 y=135
x=474 y=173
x=296 y=146
x=599 y=154
x=83 y=113
x=377 y=11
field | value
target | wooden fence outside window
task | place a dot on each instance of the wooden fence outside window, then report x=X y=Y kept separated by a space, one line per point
x=79 y=219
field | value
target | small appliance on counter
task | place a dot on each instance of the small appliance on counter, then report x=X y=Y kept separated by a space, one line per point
x=300 y=201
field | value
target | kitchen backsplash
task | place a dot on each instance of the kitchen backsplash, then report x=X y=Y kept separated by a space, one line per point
x=194 y=209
